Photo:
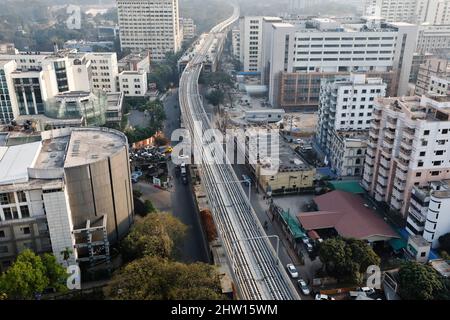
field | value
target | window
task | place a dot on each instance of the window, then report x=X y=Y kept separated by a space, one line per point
x=26 y=230
x=21 y=196
x=434 y=173
x=418 y=174
x=7 y=198
x=10 y=213
x=25 y=211
x=426 y=132
x=2 y=234
x=4 y=249
x=422 y=153
x=439 y=152
x=420 y=164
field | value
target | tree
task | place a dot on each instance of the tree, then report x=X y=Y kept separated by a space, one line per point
x=157 y=234
x=215 y=97
x=347 y=259
x=155 y=278
x=55 y=273
x=25 y=278
x=419 y=282
x=149 y=206
x=444 y=242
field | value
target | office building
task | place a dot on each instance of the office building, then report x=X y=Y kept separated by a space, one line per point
x=189 y=28
x=432 y=68
x=150 y=25
x=408 y=146
x=133 y=83
x=431 y=38
x=298 y=57
x=236 y=43
x=138 y=61
x=51 y=190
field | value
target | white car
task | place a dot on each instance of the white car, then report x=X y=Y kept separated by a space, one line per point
x=292 y=270
x=323 y=297
x=305 y=240
x=309 y=247
x=303 y=287
x=367 y=290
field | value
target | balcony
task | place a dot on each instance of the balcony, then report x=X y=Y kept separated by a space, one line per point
x=401 y=175
x=391 y=123
x=370 y=152
x=397 y=194
x=402 y=164
x=382 y=181
x=388 y=142
x=380 y=190
x=396 y=204
x=376 y=114
x=400 y=185
x=404 y=155
x=390 y=134
x=373 y=143
x=419 y=227
x=375 y=124
x=365 y=183
x=383 y=171
x=373 y=133
x=369 y=160
x=385 y=162
x=409 y=132
x=406 y=144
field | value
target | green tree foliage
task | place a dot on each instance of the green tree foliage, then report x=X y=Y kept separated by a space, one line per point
x=217 y=80
x=347 y=259
x=215 y=97
x=165 y=73
x=157 y=234
x=30 y=274
x=155 y=278
x=419 y=282
x=154 y=111
x=444 y=242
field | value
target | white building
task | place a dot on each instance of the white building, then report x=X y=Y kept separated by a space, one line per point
x=236 y=43
x=69 y=180
x=264 y=115
x=37 y=78
x=189 y=28
x=7 y=103
x=439 y=86
x=408 y=146
x=133 y=83
x=433 y=37
x=150 y=24
x=429 y=211
x=299 y=57
x=345 y=114
x=250 y=43
x=412 y=11
x=138 y=61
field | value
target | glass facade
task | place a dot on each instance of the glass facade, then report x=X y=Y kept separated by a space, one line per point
x=6 y=112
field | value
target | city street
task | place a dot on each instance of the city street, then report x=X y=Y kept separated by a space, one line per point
x=178 y=199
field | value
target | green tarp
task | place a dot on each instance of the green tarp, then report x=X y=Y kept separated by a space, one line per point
x=293 y=225
x=348 y=186
x=397 y=244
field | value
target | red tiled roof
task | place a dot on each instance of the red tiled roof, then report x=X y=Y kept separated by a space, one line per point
x=346 y=213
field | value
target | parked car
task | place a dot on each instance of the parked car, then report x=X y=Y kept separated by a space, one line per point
x=309 y=247
x=303 y=287
x=137 y=173
x=184 y=179
x=367 y=290
x=246 y=179
x=292 y=270
x=323 y=297
x=305 y=240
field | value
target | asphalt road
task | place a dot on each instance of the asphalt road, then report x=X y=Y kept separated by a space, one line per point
x=182 y=202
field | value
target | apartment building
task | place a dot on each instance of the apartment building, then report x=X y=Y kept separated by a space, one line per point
x=412 y=11
x=50 y=190
x=432 y=68
x=431 y=38
x=189 y=28
x=133 y=83
x=150 y=25
x=408 y=146
x=429 y=211
x=300 y=56
x=440 y=86
x=345 y=114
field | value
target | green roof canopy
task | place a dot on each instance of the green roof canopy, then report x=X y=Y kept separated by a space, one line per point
x=348 y=186
x=397 y=244
x=293 y=225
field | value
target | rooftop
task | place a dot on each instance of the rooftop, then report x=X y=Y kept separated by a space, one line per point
x=348 y=215
x=15 y=161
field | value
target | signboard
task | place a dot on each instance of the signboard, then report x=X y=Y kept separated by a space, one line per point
x=157 y=181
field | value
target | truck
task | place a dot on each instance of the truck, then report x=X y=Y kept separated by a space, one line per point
x=183 y=170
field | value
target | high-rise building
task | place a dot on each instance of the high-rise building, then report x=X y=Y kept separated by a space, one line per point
x=411 y=11
x=150 y=25
x=53 y=190
x=189 y=28
x=345 y=113
x=431 y=38
x=408 y=146
x=7 y=103
x=433 y=67
x=298 y=57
